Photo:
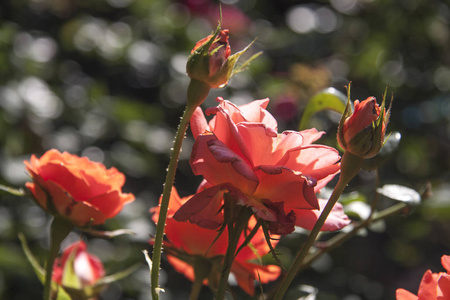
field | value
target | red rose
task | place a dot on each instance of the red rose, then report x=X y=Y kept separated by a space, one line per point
x=75 y=188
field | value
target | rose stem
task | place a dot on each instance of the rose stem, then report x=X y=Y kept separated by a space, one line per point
x=59 y=229
x=196 y=94
x=350 y=166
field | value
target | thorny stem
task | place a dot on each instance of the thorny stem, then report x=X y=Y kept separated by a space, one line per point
x=197 y=92
x=350 y=166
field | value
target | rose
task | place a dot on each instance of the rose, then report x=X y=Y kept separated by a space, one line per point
x=208 y=217
x=434 y=286
x=362 y=131
x=275 y=174
x=211 y=61
x=189 y=245
x=75 y=188
x=76 y=268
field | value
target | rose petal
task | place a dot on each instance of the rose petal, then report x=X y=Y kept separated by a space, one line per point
x=246 y=274
x=311 y=135
x=317 y=161
x=182 y=267
x=336 y=220
x=203 y=208
x=227 y=132
x=445 y=260
x=280 y=184
x=110 y=204
x=198 y=123
x=444 y=287
x=428 y=286
x=402 y=294
x=218 y=164
x=252 y=112
x=59 y=172
x=79 y=213
x=260 y=141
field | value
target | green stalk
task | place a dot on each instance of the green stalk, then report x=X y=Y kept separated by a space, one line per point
x=59 y=230
x=344 y=236
x=350 y=166
x=196 y=288
x=202 y=268
x=196 y=94
x=234 y=233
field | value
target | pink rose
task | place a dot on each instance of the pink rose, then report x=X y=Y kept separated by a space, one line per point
x=240 y=152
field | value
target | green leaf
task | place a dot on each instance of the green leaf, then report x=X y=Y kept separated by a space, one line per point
x=358 y=209
x=39 y=270
x=400 y=193
x=327 y=99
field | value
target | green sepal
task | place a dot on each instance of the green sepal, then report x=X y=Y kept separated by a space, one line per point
x=229 y=68
x=348 y=111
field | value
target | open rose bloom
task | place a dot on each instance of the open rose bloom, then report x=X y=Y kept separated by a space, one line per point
x=434 y=286
x=75 y=188
x=277 y=175
x=189 y=245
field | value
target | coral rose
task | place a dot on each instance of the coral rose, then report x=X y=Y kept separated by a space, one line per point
x=76 y=268
x=434 y=286
x=240 y=152
x=189 y=245
x=75 y=188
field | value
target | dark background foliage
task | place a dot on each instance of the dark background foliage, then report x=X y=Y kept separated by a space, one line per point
x=106 y=79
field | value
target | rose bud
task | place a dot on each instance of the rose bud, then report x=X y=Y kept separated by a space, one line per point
x=362 y=131
x=210 y=61
x=76 y=268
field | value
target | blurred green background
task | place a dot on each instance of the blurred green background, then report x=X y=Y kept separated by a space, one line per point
x=106 y=79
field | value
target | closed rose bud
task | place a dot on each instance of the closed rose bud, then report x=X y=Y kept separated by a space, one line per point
x=76 y=268
x=211 y=61
x=362 y=131
x=208 y=60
